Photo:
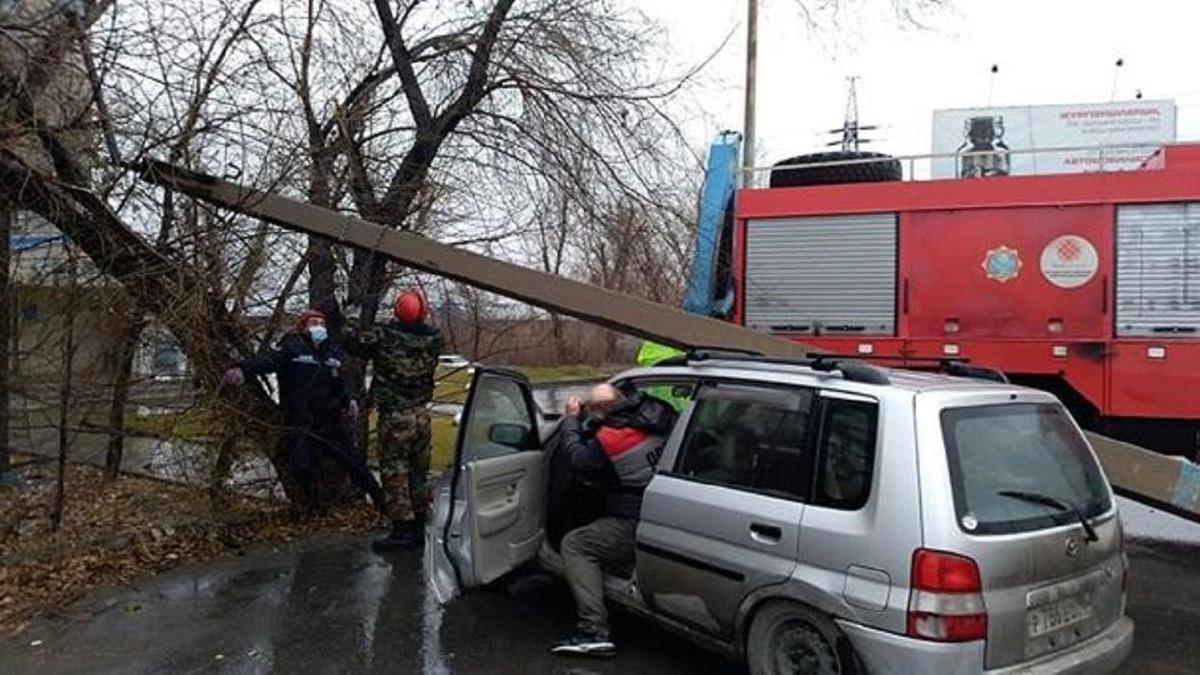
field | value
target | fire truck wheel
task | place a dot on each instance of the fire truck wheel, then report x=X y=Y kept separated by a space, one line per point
x=886 y=169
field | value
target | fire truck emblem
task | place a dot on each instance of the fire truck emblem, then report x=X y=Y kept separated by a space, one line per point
x=1070 y=261
x=1002 y=264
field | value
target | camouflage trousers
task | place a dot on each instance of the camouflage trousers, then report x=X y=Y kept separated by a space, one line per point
x=404 y=446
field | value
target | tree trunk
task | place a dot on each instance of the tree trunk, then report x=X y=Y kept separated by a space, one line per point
x=218 y=493
x=120 y=400
x=5 y=337
x=321 y=282
x=449 y=319
x=610 y=346
x=563 y=350
x=335 y=486
x=64 y=397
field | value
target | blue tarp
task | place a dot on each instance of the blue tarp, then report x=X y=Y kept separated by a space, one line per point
x=720 y=181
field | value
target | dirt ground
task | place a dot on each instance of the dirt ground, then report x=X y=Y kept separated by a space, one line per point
x=113 y=532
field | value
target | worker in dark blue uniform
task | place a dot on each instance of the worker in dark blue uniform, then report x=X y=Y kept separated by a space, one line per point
x=314 y=399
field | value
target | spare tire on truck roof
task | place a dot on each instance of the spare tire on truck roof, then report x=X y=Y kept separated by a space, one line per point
x=887 y=168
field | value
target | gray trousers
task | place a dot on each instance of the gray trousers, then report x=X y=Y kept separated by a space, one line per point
x=586 y=550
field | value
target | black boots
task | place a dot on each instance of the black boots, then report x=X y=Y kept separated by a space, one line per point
x=408 y=535
x=378 y=499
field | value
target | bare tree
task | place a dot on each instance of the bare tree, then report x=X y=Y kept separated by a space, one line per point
x=6 y=334
x=410 y=126
x=547 y=121
x=65 y=393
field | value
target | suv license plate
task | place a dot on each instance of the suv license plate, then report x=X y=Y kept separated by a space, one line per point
x=1058 y=616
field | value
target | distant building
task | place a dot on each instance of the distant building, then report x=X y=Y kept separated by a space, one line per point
x=160 y=356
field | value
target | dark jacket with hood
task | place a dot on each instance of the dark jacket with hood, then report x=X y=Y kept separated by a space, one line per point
x=619 y=455
x=312 y=392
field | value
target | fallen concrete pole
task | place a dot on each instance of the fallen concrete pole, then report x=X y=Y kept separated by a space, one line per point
x=1156 y=479
x=611 y=309
x=1167 y=482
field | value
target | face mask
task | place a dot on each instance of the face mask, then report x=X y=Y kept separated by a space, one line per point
x=318 y=334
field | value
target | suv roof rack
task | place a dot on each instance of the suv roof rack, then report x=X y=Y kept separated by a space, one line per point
x=852 y=369
x=703 y=353
x=953 y=367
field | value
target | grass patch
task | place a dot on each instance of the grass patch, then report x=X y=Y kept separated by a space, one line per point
x=192 y=424
x=452 y=385
x=199 y=424
x=544 y=374
x=444 y=435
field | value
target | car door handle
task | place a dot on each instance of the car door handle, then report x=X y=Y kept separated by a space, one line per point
x=765 y=534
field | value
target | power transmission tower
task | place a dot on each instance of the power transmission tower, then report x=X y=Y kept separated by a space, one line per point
x=850 y=126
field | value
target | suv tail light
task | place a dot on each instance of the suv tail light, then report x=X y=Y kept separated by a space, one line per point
x=946 y=604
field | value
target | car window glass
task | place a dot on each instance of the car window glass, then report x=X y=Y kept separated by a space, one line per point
x=1020 y=447
x=846 y=459
x=674 y=391
x=748 y=437
x=496 y=419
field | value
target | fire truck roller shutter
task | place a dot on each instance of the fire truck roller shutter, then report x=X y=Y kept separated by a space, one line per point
x=1158 y=270
x=822 y=275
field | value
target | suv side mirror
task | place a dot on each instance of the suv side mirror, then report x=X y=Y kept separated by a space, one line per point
x=512 y=435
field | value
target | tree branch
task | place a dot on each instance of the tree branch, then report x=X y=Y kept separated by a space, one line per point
x=402 y=60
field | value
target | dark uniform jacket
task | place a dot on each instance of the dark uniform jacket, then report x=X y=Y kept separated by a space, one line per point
x=312 y=392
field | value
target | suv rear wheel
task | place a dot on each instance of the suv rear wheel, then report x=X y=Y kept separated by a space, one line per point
x=791 y=639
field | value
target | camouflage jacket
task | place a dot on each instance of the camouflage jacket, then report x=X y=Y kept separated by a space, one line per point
x=404 y=358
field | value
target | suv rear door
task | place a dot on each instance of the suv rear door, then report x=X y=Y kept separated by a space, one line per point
x=862 y=521
x=722 y=517
x=993 y=466
x=488 y=516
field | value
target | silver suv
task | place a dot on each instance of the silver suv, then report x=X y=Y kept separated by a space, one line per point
x=823 y=516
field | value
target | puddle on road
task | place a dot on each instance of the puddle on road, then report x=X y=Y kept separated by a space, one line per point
x=1145 y=522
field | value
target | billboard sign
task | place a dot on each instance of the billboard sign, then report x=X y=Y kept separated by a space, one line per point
x=996 y=141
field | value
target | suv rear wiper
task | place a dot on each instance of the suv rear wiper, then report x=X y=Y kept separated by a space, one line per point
x=1056 y=503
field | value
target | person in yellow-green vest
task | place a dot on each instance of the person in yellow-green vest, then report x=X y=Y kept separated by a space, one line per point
x=652 y=353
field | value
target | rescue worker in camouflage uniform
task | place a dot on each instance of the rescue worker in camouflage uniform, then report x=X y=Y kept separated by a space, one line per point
x=405 y=355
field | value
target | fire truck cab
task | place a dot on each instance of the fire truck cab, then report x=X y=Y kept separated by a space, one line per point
x=1085 y=284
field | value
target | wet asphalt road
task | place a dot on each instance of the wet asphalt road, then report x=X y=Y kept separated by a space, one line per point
x=327 y=606
x=331 y=606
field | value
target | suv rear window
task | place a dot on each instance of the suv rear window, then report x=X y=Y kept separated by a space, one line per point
x=847 y=453
x=1031 y=448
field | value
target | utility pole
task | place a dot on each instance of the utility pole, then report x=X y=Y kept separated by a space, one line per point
x=748 y=113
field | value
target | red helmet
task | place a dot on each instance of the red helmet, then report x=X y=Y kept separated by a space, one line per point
x=410 y=307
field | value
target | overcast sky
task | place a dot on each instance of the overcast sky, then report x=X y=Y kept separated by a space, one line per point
x=1048 y=51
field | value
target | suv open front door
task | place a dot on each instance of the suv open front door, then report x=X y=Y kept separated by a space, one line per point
x=488 y=515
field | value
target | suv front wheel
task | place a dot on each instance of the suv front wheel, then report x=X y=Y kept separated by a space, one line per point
x=791 y=639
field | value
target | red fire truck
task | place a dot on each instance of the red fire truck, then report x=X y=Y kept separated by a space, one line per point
x=1086 y=284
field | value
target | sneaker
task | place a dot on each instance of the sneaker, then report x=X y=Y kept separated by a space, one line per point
x=584 y=644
